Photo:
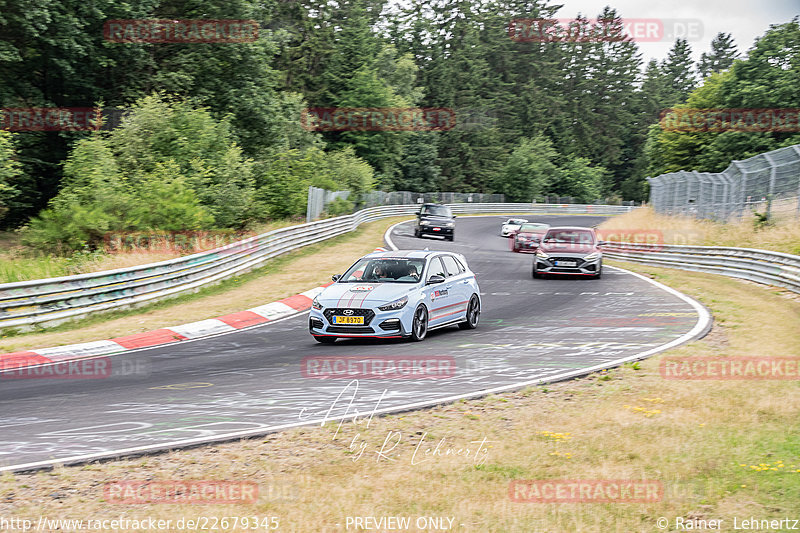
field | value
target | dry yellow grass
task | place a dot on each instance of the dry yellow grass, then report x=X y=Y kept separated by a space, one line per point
x=291 y=277
x=694 y=445
x=784 y=236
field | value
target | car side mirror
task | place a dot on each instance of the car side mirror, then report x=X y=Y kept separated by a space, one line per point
x=455 y=216
x=602 y=243
x=336 y=277
x=435 y=279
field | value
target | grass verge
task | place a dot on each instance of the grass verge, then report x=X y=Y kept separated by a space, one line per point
x=19 y=263
x=278 y=278
x=701 y=439
x=783 y=236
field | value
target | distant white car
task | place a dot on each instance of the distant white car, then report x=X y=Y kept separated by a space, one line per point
x=511 y=226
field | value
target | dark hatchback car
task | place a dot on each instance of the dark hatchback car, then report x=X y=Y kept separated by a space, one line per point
x=435 y=219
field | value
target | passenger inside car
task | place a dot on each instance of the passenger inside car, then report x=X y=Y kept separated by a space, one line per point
x=411 y=274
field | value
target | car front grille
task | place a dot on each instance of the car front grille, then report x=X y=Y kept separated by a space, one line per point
x=368 y=315
x=577 y=260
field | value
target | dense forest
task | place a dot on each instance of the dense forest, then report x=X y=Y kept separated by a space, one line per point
x=211 y=134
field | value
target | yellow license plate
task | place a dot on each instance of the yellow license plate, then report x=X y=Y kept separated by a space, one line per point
x=348 y=319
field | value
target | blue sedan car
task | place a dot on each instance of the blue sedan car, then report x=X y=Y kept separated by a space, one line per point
x=397 y=294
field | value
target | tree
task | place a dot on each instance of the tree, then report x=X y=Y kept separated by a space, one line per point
x=529 y=171
x=767 y=77
x=678 y=72
x=10 y=171
x=723 y=53
x=580 y=179
x=203 y=148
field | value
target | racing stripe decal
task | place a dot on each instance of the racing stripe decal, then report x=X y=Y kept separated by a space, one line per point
x=461 y=307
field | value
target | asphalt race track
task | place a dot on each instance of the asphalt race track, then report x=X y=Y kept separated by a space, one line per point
x=251 y=382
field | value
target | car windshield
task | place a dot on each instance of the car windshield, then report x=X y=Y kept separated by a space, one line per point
x=569 y=237
x=438 y=210
x=534 y=228
x=515 y=221
x=385 y=270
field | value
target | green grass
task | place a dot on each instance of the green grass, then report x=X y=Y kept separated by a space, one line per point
x=15 y=268
x=273 y=265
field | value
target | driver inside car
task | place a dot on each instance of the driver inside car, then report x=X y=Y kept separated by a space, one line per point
x=379 y=272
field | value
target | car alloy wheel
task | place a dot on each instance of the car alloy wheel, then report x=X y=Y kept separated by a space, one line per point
x=419 y=326
x=473 y=314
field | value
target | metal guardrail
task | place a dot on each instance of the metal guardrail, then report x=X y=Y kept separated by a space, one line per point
x=54 y=300
x=761 y=266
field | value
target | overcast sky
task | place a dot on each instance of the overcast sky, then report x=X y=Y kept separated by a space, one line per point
x=743 y=19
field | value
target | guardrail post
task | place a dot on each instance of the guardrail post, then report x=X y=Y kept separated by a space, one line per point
x=797 y=149
x=772 y=172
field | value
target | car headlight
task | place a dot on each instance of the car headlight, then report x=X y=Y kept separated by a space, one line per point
x=424 y=223
x=540 y=253
x=397 y=304
x=315 y=303
x=592 y=256
x=450 y=224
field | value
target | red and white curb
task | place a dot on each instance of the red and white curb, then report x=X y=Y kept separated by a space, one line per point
x=195 y=330
x=159 y=337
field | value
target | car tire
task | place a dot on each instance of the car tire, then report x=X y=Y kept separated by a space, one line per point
x=325 y=340
x=535 y=274
x=416 y=233
x=419 y=325
x=473 y=314
x=515 y=248
x=451 y=237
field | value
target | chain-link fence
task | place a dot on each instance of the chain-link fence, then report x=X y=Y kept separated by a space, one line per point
x=318 y=200
x=768 y=184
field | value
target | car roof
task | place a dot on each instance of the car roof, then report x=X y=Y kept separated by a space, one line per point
x=570 y=228
x=404 y=254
